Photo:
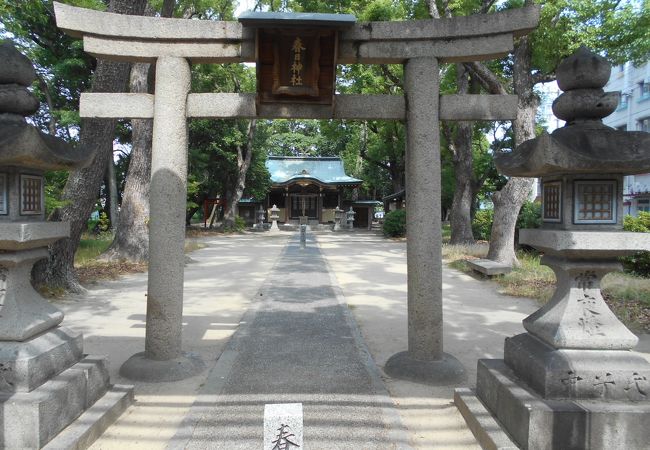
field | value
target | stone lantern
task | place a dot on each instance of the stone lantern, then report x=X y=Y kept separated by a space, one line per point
x=338 y=216
x=274 y=218
x=46 y=380
x=350 y=218
x=571 y=380
x=260 y=218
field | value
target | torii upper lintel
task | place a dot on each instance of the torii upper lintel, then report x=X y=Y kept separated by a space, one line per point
x=137 y=38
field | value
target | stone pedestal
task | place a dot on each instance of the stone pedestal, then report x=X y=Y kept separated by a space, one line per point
x=47 y=385
x=24 y=312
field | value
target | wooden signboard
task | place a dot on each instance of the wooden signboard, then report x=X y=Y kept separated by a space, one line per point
x=296 y=65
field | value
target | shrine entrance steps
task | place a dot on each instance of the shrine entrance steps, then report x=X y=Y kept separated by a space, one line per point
x=298 y=344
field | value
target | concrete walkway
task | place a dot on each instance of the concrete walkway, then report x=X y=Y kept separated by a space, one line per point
x=298 y=346
x=296 y=341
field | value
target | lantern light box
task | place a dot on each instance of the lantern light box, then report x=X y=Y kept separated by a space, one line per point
x=22 y=195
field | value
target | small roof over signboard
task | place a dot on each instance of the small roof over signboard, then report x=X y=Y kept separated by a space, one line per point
x=258 y=19
x=323 y=170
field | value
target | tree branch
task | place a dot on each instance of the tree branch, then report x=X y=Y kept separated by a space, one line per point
x=391 y=76
x=486 y=77
x=487 y=4
x=540 y=77
x=51 y=125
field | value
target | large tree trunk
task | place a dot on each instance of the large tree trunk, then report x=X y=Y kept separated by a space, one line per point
x=80 y=192
x=460 y=144
x=460 y=217
x=508 y=201
x=244 y=157
x=111 y=191
x=132 y=236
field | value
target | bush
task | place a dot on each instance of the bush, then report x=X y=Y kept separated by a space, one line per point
x=482 y=224
x=639 y=263
x=395 y=223
x=530 y=216
x=239 y=225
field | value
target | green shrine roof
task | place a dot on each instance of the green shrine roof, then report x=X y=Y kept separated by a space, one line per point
x=283 y=19
x=324 y=170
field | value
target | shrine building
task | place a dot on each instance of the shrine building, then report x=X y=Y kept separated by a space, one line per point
x=311 y=187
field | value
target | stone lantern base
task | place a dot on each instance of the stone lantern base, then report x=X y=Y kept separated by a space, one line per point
x=504 y=412
x=51 y=393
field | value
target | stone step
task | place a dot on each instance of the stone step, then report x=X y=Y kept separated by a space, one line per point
x=91 y=424
x=485 y=428
x=31 y=419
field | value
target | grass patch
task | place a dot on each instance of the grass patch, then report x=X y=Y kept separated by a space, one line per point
x=94 y=271
x=628 y=296
x=454 y=253
x=529 y=279
x=90 y=247
x=446 y=232
x=91 y=270
x=192 y=245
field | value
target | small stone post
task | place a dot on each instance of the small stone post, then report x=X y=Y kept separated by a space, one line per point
x=349 y=217
x=303 y=236
x=424 y=361
x=274 y=218
x=163 y=359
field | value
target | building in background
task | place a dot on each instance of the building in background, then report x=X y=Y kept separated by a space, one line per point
x=633 y=114
x=311 y=187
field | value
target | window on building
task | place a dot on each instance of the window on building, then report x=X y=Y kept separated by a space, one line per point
x=622 y=104
x=644 y=88
x=643 y=205
x=644 y=124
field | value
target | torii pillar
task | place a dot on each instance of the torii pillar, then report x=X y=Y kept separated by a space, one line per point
x=424 y=360
x=163 y=358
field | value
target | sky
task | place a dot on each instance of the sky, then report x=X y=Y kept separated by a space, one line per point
x=244 y=5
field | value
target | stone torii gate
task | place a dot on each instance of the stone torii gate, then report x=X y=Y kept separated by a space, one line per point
x=173 y=44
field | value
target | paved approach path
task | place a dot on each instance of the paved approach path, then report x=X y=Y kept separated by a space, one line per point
x=299 y=345
x=225 y=280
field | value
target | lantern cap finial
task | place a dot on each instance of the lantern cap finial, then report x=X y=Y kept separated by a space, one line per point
x=584 y=69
